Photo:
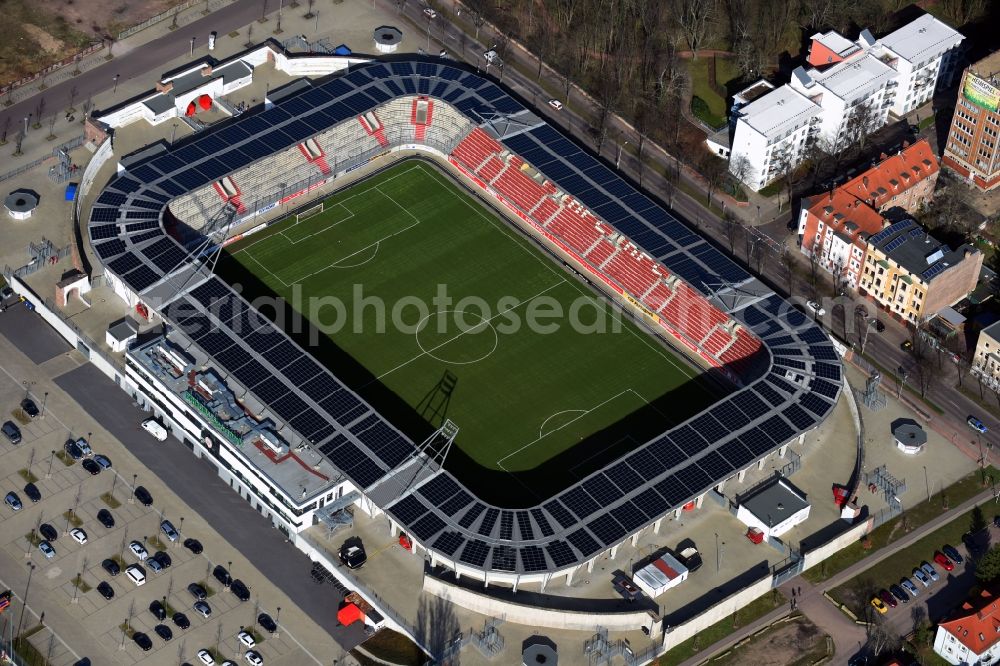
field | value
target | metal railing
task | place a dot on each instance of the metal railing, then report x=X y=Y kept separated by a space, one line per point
x=72 y=144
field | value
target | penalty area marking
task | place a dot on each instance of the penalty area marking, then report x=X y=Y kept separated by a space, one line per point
x=541 y=428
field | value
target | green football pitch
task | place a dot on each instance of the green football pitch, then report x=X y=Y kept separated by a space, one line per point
x=438 y=302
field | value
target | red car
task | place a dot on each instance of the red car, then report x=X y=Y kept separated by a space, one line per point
x=887 y=597
x=941 y=559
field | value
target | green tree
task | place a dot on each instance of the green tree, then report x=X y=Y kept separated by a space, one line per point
x=988 y=566
x=978 y=522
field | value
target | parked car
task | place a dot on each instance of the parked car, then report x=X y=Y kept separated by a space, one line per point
x=246 y=639
x=32 y=492
x=879 y=605
x=181 y=620
x=222 y=575
x=72 y=449
x=84 y=446
x=143 y=641
x=430 y=13
x=136 y=574
x=138 y=550
x=241 y=591
x=163 y=631
x=154 y=565
x=156 y=429
x=202 y=608
x=111 y=567
x=205 y=657
x=168 y=529
x=105 y=590
x=816 y=308
x=929 y=569
x=879 y=325
x=163 y=559
x=13 y=501
x=48 y=532
x=556 y=104
x=78 y=535
x=193 y=545
x=11 y=432
x=197 y=591
x=158 y=611
x=90 y=466
x=906 y=345
x=105 y=518
x=908 y=585
x=143 y=496
x=976 y=424
x=253 y=658
x=952 y=553
x=47 y=550
x=352 y=554
x=941 y=559
x=29 y=407
x=899 y=593
x=887 y=597
x=267 y=623
x=103 y=461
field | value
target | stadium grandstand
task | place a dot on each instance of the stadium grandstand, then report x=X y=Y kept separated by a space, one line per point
x=172 y=203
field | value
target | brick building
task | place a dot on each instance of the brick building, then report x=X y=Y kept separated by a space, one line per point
x=972 y=146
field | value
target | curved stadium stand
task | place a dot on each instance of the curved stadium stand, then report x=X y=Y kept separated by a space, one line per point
x=789 y=371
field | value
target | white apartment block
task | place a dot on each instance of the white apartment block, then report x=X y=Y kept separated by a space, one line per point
x=850 y=87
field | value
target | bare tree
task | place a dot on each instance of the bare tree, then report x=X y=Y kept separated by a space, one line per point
x=4 y=129
x=740 y=167
x=73 y=92
x=787 y=262
x=731 y=226
x=17 y=144
x=963 y=11
x=693 y=17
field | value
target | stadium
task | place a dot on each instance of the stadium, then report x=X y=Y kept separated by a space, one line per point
x=177 y=228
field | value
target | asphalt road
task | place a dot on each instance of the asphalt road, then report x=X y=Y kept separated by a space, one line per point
x=36 y=339
x=138 y=62
x=196 y=483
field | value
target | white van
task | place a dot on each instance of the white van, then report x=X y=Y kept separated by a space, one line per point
x=136 y=574
x=155 y=428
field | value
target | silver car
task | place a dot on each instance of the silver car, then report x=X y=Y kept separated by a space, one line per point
x=909 y=587
x=929 y=569
x=47 y=550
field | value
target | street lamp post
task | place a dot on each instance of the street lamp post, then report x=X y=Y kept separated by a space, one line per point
x=718 y=557
x=116 y=84
x=902 y=382
x=192 y=47
x=277 y=627
x=927 y=484
x=618 y=160
x=24 y=601
x=45 y=399
x=131 y=499
x=48 y=473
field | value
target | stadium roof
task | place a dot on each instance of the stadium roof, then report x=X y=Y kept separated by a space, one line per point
x=795 y=392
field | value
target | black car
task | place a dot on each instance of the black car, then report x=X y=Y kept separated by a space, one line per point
x=238 y=588
x=163 y=559
x=74 y=451
x=32 y=491
x=352 y=554
x=222 y=575
x=267 y=623
x=193 y=545
x=142 y=640
x=106 y=591
x=181 y=620
x=197 y=591
x=105 y=518
x=11 y=432
x=48 y=532
x=899 y=593
x=158 y=611
x=143 y=496
x=29 y=407
x=111 y=567
x=91 y=467
x=163 y=631
x=879 y=325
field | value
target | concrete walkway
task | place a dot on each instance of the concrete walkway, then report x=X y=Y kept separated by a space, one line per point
x=811 y=603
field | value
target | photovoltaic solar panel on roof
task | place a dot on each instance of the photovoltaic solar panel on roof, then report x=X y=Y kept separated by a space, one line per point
x=110 y=198
x=409 y=86
x=142 y=238
x=233 y=357
x=423 y=86
x=126 y=184
x=408 y=509
x=124 y=263
x=141 y=215
x=716 y=465
x=799 y=418
x=777 y=429
x=579 y=502
x=560 y=553
x=692 y=273
x=489 y=521
x=533 y=558
x=448 y=542
x=341 y=404
x=602 y=489
x=694 y=477
x=506 y=525
x=456 y=503
x=471 y=514
x=813 y=334
x=689 y=441
x=288 y=406
x=823 y=352
x=827 y=371
x=628 y=516
x=771 y=396
x=666 y=452
x=645 y=463
x=757 y=442
x=187 y=155
x=251 y=374
x=825 y=388
x=475 y=553
x=439 y=88
x=623 y=476
x=606 y=529
x=310 y=425
x=282 y=354
x=650 y=502
x=542 y=522
x=934 y=270
x=709 y=427
x=781 y=384
x=427 y=526
x=583 y=542
x=673 y=490
x=169 y=260
x=141 y=278
x=750 y=404
x=103 y=215
x=524 y=528
x=815 y=404
x=559 y=512
x=735 y=453
x=145 y=173
x=275 y=140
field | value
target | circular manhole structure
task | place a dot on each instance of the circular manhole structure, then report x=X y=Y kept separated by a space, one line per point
x=387 y=39
x=21 y=205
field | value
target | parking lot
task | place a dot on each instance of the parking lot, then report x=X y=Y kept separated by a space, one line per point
x=65 y=585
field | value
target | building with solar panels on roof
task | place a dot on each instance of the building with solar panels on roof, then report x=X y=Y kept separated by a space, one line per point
x=298 y=442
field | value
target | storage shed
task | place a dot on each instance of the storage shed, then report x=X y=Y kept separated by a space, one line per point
x=660 y=575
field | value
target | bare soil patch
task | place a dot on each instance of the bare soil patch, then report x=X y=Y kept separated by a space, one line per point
x=792 y=643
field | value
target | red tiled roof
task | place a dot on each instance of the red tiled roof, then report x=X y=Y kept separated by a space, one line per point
x=977 y=625
x=893 y=175
x=837 y=208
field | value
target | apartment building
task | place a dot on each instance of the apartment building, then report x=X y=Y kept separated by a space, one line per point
x=986 y=360
x=972 y=636
x=852 y=87
x=834 y=226
x=912 y=276
x=972 y=146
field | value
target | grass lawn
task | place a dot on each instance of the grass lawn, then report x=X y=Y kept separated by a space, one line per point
x=725 y=71
x=856 y=593
x=756 y=609
x=393 y=647
x=916 y=516
x=387 y=249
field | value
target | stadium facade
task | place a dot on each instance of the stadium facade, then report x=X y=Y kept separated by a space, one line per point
x=297 y=442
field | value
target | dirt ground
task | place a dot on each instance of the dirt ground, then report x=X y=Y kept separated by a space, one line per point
x=41 y=32
x=790 y=644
